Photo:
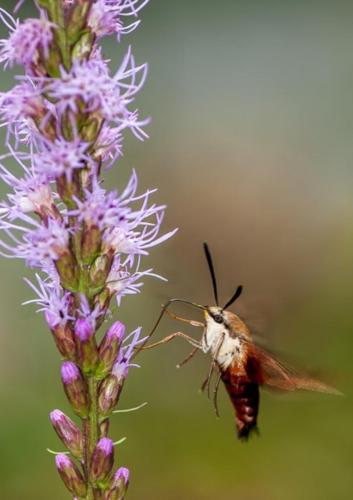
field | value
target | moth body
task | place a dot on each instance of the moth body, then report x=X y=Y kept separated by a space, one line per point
x=222 y=337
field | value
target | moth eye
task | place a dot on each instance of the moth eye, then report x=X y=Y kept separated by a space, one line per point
x=218 y=318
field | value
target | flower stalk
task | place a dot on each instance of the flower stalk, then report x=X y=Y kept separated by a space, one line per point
x=66 y=118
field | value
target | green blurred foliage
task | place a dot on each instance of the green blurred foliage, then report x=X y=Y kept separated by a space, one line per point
x=251 y=147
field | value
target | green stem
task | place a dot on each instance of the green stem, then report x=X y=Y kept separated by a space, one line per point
x=91 y=431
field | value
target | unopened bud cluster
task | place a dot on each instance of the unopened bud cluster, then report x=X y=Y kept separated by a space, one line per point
x=65 y=119
x=106 y=365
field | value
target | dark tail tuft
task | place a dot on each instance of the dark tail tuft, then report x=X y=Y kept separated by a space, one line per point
x=247 y=431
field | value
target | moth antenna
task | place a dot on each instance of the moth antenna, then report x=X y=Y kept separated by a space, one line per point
x=212 y=271
x=236 y=296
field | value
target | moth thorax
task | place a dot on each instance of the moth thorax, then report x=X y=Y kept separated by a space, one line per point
x=213 y=335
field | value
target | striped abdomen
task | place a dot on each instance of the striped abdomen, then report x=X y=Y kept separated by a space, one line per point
x=245 y=396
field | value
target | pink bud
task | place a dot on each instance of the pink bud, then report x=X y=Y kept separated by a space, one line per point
x=119 y=484
x=68 y=432
x=109 y=393
x=75 y=388
x=87 y=351
x=63 y=336
x=109 y=348
x=71 y=475
x=83 y=329
x=69 y=372
x=117 y=330
x=102 y=460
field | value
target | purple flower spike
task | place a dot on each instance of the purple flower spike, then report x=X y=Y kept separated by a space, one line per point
x=65 y=122
x=102 y=460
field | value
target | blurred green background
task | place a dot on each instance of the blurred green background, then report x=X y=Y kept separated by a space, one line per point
x=251 y=148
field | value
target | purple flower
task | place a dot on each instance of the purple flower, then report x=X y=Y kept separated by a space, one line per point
x=37 y=246
x=121 y=367
x=89 y=81
x=59 y=157
x=108 y=146
x=124 y=279
x=106 y=16
x=53 y=301
x=25 y=41
x=19 y=107
x=125 y=229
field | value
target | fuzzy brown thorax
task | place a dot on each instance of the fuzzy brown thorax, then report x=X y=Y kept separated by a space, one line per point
x=222 y=335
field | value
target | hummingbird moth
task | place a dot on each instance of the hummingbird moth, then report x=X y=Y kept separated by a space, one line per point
x=243 y=366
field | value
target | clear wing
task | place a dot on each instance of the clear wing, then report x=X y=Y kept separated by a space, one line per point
x=265 y=369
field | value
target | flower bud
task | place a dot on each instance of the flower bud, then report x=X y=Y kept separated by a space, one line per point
x=109 y=393
x=109 y=348
x=67 y=190
x=68 y=432
x=75 y=388
x=119 y=484
x=102 y=460
x=63 y=337
x=87 y=351
x=92 y=126
x=102 y=300
x=90 y=244
x=67 y=267
x=71 y=475
x=100 y=269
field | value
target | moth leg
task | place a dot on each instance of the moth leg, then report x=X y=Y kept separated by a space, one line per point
x=195 y=343
x=163 y=311
x=215 y=394
x=207 y=382
x=185 y=320
x=188 y=357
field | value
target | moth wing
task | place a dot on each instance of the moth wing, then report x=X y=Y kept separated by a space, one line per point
x=266 y=369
